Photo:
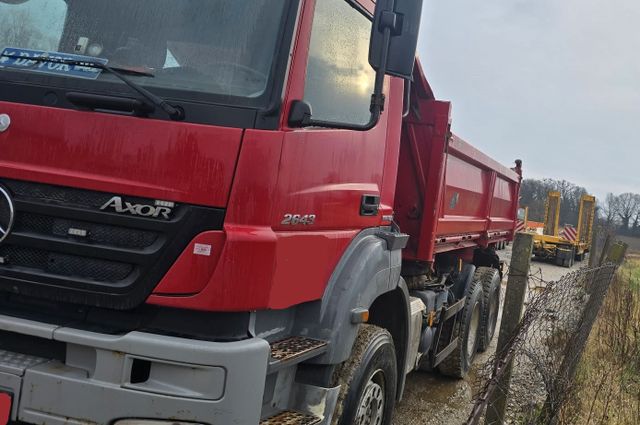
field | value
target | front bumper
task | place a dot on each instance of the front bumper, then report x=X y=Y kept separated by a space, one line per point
x=136 y=375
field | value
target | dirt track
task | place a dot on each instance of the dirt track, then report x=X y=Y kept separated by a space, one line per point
x=431 y=399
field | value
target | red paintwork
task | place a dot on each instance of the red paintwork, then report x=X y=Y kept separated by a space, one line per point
x=450 y=196
x=259 y=176
x=5 y=408
x=319 y=171
x=155 y=159
x=191 y=272
x=260 y=267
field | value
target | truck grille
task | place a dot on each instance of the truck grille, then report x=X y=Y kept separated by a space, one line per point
x=63 y=247
x=53 y=263
x=96 y=233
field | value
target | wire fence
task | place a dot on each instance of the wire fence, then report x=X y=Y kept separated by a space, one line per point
x=532 y=374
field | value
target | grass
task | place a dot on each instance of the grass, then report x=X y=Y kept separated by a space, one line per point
x=607 y=385
x=631 y=269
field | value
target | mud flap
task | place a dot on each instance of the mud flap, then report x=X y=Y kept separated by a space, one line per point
x=448 y=317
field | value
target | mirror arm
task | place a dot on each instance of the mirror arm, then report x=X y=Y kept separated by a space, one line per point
x=377 y=98
x=407 y=99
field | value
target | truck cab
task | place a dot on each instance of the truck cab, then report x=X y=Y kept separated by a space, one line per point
x=197 y=206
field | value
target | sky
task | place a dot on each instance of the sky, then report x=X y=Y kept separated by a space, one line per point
x=555 y=83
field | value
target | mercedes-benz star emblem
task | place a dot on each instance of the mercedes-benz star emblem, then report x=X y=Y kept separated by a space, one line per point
x=6 y=214
x=5 y=122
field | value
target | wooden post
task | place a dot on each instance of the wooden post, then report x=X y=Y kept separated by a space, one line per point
x=517 y=286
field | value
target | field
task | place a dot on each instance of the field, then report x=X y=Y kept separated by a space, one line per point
x=634 y=243
x=607 y=388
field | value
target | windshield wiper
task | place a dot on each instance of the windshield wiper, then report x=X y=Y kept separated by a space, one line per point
x=175 y=113
x=133 y=71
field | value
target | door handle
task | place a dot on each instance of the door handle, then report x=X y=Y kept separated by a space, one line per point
x=369 y=205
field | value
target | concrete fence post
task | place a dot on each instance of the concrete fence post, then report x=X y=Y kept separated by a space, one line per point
x=605 y=249
x=517 y=285
x=617 y=252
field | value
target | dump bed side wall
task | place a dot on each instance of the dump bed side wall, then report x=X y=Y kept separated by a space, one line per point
x=449 y=195
x=479 y=205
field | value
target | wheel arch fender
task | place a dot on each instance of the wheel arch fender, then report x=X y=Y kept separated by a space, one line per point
x=367 y=270
x=463 y=280
x=392 y=311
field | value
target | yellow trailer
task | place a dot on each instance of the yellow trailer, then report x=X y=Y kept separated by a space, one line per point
x=563 y=248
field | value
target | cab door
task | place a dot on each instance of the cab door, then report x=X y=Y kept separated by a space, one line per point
x=333 y=179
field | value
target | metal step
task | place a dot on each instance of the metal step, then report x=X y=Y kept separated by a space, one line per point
x=16 y=363
x=291 y=418
x=295 y=349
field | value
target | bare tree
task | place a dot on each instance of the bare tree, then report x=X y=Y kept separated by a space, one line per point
x=609 y=208
x=635 y=223
x=533 y=194
x=628 y=206
x=571 y=194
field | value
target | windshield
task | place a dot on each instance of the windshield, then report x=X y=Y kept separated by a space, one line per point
x=221 y=47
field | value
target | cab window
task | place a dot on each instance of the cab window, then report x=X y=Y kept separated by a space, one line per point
x=339 y=80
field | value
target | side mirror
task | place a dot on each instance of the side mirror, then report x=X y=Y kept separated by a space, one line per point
x=394 y=37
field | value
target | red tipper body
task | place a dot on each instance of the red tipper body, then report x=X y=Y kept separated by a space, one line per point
x=450 y=196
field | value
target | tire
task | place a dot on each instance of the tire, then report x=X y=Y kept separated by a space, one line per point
x=572 y=257
x=368 y=380
x=467 y=329
x=489 y=279
x=565 y=259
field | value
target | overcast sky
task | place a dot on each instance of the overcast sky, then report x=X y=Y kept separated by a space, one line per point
x=553 y=82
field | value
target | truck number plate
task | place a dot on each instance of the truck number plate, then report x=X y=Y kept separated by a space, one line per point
x=21 y=59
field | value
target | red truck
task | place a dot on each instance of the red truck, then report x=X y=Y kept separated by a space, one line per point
x=206 y=216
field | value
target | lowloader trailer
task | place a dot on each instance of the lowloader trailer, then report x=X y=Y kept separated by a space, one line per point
x=234 y=212
x=571 y=245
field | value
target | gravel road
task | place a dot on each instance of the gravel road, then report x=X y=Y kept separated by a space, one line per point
x=431 y=399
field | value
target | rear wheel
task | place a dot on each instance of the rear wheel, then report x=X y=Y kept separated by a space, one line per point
x=572 y=257
x=489 y=280
x=368 y=380
x=565 y=256
x=467 y=330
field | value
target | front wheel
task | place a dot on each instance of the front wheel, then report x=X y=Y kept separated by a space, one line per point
x=368 y=380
